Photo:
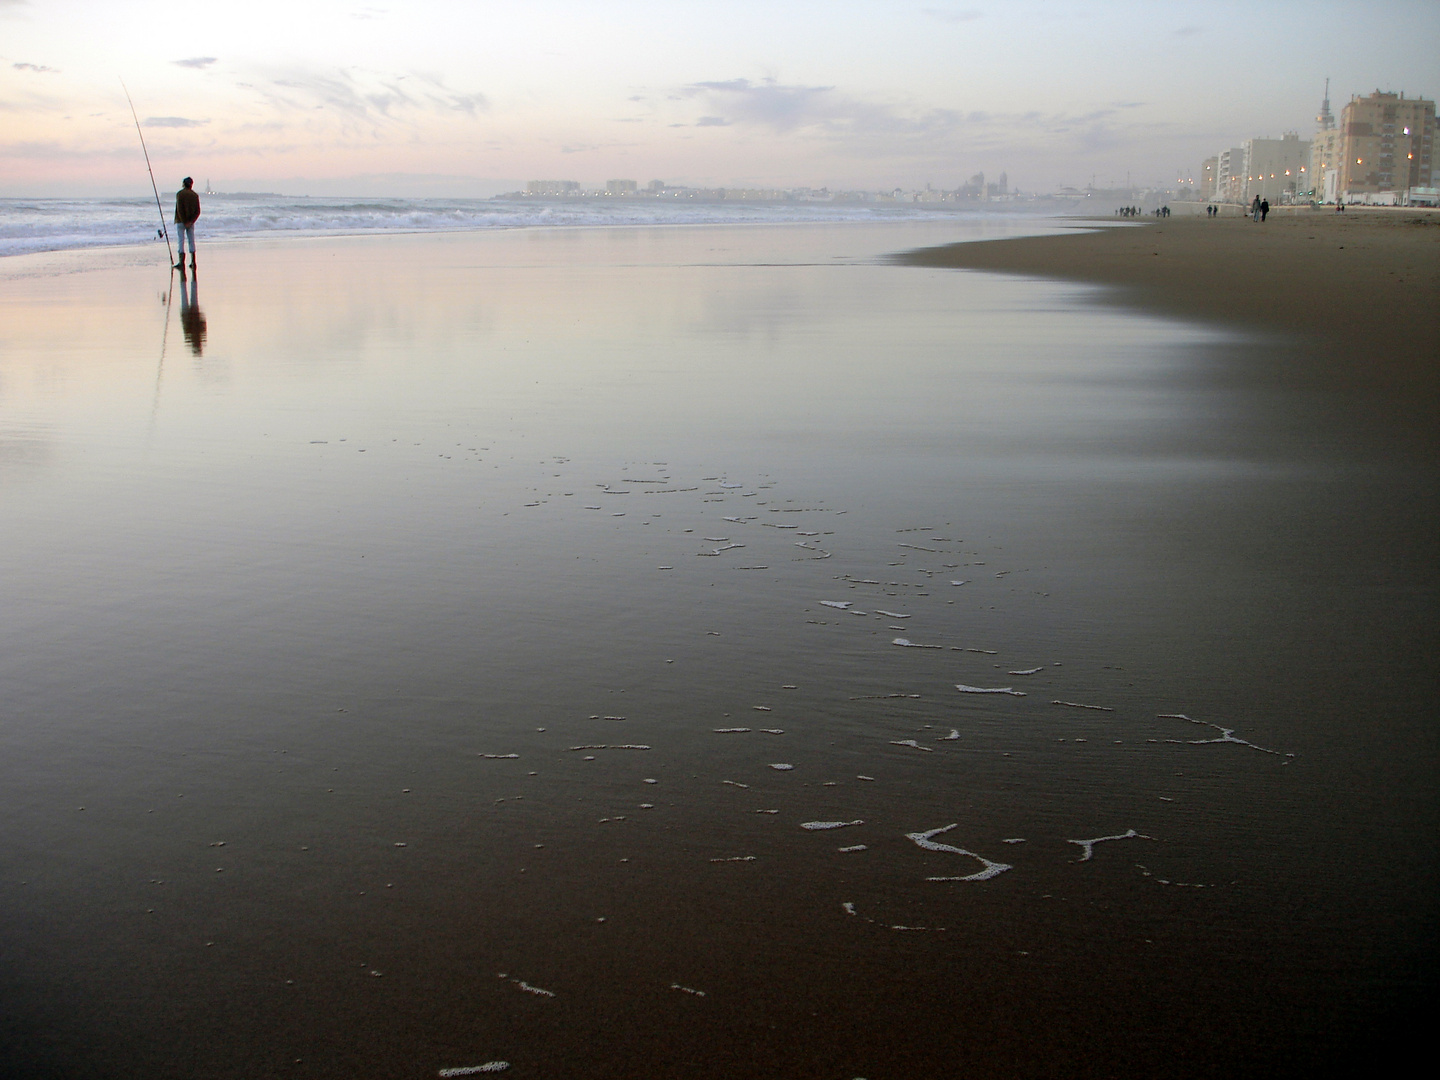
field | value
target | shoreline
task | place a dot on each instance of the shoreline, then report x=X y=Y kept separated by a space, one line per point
x=1358 y=290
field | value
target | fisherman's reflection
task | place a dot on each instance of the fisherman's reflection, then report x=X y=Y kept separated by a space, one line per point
x=192 y=319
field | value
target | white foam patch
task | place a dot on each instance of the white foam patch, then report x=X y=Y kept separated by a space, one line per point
x=612 y=746
x=840 y=604
x=687 y=990
x=890 y=614
x=500 y=757
x=906 y=643
x=537 y=991
x=773 y=730
x=815 y=826
x=849 y=909
x=780 y=766
x=965 y=582
x=1226 y=734
x=911 y=743
x=954 y=734
x=731 y=730
x=926 y=841
x=1089 y=845
x=473 y=1070
x=964 y=689
x=1078 y=705
x=852 y=847
x=736 y=858
x=1027 y=671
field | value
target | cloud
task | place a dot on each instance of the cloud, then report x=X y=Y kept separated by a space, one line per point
x=950 y=15
x=768 y=102
x=854 y=126
x=1189 y=31
x=197 y=62
x=173 y=122
x=39 y=69
x=712 y=121
x=364 y=97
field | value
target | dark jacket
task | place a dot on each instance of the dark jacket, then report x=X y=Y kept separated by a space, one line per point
x=187 y=206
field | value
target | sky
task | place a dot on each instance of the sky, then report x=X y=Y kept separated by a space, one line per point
x=470 y=97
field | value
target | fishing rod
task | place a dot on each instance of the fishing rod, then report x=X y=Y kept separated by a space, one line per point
x=165 y=231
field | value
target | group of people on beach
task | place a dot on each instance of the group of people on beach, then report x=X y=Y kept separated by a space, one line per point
x=1135 y=211
x=1260 y=208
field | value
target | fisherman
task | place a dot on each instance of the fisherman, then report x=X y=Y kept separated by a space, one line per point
x=187 y=209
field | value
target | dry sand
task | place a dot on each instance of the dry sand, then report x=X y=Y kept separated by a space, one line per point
x=1361 y=287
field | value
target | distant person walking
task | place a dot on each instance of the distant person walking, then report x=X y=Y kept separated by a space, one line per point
x=1264 y=208
x=187 y=209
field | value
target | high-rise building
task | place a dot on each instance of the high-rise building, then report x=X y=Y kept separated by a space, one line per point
x=1275 y=169
x=1230 y=175
x=1207 y=178
x=621 y=187
x=1387 y=144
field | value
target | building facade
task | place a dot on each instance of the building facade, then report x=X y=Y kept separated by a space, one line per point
x=1207 y=178
x=1230 y=175
x=1387 y=145
x=1276 y=169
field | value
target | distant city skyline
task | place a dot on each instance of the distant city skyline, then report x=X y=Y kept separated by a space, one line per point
x=449 y=98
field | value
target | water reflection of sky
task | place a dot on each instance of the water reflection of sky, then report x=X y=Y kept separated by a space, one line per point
x=394 y=503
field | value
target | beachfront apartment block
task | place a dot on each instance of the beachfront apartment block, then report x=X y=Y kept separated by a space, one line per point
x=1230 y=175
x=1386 y=147
x=1276 y=169
x=1207 y=178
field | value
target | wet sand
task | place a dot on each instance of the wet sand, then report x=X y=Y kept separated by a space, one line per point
x=1357 y=288
x=398 y=640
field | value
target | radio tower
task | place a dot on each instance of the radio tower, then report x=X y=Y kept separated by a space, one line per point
x=1325 y=121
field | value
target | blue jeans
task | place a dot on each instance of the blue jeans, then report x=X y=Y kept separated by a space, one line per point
x=182 y=232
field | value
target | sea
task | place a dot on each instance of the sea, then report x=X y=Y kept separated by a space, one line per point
x=39 y=225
